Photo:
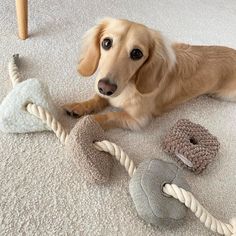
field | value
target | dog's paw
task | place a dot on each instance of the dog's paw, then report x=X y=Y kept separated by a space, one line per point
x=72 y=114
x=76 y=110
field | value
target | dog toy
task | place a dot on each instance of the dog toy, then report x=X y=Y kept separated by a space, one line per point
x=159 y=191
x=156 y=187
x=191 y=145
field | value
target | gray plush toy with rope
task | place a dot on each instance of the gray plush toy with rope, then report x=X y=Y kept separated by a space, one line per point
x=160 y=193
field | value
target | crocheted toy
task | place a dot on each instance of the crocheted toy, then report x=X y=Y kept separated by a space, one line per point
x=191 y=145
x=157 y=188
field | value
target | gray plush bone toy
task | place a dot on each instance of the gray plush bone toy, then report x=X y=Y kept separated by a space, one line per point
x=152 y=204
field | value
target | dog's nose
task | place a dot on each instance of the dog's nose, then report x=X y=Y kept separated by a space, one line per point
x=106 y=87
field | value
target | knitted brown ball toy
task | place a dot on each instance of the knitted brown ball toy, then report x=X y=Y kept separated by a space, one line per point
x=191 y=145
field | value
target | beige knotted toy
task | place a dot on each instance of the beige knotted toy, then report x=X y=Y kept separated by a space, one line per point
x=191 y=145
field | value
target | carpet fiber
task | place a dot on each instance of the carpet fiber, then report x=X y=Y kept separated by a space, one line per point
x=41 y=190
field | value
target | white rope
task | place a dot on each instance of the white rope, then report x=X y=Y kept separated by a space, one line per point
x=118 y=153
x=49 y=120
x=14 y=71
x=205 y=217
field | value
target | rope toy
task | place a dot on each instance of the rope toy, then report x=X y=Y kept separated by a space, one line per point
x=159 y=191
x=191 y=145
x=151 y=185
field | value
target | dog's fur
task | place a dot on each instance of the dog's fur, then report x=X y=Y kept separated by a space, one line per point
x=166 y=76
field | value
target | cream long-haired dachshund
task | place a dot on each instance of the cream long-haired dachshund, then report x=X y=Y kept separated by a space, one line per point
x=145 y=76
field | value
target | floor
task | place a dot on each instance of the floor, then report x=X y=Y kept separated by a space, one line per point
x=41 y=191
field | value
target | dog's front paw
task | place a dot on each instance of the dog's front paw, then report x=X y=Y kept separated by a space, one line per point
x=76 y=110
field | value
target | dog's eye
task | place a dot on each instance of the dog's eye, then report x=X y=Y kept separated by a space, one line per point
x=136 y=54
x=107 y=43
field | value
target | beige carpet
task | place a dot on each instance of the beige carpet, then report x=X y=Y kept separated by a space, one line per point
x=41 y=191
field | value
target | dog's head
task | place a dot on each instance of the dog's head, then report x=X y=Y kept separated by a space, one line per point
x=122 y=51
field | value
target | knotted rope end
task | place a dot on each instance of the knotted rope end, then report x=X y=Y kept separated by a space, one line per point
x=16 y=57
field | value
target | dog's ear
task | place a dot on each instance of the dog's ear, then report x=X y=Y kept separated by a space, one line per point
x=159 y=63
x=90 y=51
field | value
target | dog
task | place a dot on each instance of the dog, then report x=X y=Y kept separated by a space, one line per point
x=144 y=75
